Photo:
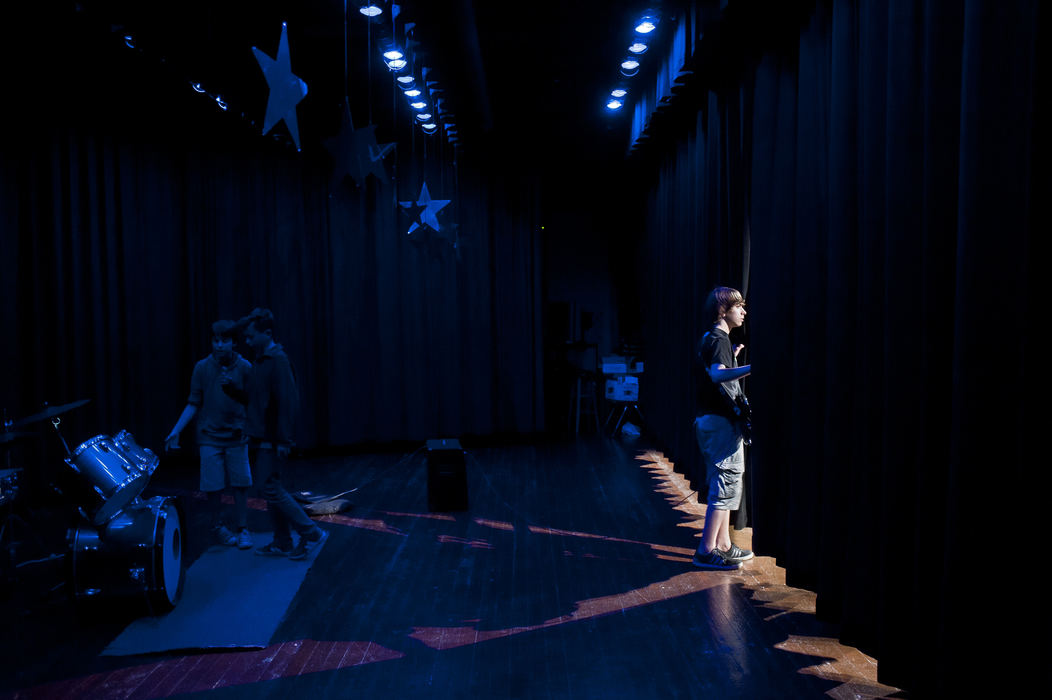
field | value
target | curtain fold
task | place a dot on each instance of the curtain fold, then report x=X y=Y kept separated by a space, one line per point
x=891 y=169
x=128 y=228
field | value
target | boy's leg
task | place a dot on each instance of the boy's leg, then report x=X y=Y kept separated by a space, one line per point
x=213 y=479
x=717 y=530
x=239 y=476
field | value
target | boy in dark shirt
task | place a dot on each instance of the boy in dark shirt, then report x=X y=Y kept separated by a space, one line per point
x=272 y=403
x=718 y=433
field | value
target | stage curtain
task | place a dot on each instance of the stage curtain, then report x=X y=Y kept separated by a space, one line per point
x=134 y=214
x=894 y=202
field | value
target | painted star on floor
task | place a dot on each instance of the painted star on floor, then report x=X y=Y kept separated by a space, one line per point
x=427 y=215
x=356 y=151
x=286 y=89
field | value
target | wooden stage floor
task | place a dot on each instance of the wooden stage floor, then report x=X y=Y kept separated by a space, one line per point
x=568 y=577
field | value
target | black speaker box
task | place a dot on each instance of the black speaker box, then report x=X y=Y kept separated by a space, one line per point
x=447 y=479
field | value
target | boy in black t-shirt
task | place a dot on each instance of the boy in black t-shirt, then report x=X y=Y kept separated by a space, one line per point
x=718 y=433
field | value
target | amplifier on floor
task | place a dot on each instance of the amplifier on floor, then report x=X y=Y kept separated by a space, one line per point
x=447 y=479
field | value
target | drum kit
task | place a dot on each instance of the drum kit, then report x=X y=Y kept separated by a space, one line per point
x=119 y=545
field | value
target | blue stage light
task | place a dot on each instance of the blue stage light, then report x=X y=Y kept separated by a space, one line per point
x=197 y=87
x=647 y=25
x=619 y=92
x=429 y=128
x=219 y=101
x=370 y=9
x=613 y=105
x=393 y=54
x=424 y=116
x=397 y=64
x=637 y=47
x=629 y=67
x=412 y=92
x=419 y=104
x=406 y=81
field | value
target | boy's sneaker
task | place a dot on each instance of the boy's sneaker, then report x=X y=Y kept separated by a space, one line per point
x=311 y=540
x=737 y=554
x=225 y=537
x=273 y=549
x=244 y=539
x=714 y=561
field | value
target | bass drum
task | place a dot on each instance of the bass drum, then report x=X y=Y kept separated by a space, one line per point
x=138 y=553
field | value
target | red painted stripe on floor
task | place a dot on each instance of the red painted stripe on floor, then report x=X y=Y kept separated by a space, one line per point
x=195 y=673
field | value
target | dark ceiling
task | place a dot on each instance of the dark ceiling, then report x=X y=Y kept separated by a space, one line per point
x=517 y=76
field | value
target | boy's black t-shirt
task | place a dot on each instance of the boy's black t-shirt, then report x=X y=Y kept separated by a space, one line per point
x=715 y=348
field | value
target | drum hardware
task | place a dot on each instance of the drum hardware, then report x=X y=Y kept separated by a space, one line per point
x=48 y=412
x=7 y=436
x=9 y=485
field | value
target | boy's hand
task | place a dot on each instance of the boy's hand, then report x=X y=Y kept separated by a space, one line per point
x=737 y=349
x=171 y=442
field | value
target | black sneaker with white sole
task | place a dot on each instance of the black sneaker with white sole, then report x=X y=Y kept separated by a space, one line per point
x=308 y=542
x=737 y=554
x=714 y=561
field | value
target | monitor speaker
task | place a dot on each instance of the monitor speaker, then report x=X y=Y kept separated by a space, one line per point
x=447 y=479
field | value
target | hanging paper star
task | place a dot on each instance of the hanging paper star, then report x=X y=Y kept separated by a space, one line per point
x=356 y=152
x=413 y=211
x=431 y=207
x=286 y=89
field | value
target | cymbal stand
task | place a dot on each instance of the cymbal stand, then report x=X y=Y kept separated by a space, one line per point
x=55 y=422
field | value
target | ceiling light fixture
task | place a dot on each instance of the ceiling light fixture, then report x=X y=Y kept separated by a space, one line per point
x=647 y=24
x=370 y=9
x=629 y=67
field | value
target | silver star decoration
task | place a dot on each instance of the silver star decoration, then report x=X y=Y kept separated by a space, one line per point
x=356 y=151
x=431 y=207
x=286 y=89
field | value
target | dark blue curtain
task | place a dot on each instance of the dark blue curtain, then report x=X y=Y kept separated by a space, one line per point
x=893 y=176
x=133 y=213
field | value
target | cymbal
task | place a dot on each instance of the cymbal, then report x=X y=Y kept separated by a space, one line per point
x=6 y=437
x=49 y=412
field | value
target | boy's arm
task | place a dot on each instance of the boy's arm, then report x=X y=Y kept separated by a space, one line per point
x=172 y=441
x=720 y=373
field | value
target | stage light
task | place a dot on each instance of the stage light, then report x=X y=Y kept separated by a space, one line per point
x=197 y=87
x=393 y=54
x=406 y=81
x=424 y=116
x=129 y=41
x=419 y=104
x=397 y=64
x=412 y=92
x=429 y=128
x=613 y=105
x=619 y=92
x=647 y=24
x=370 y=9
x=637 y=48
x=219 y=101
x=629 y=67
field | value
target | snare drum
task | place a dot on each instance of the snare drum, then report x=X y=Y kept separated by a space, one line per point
x=108 y=478
x=138 y=553
x=144 y=457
